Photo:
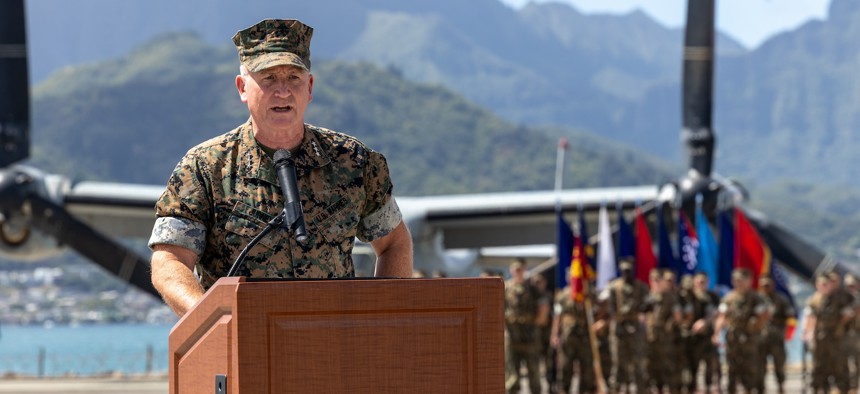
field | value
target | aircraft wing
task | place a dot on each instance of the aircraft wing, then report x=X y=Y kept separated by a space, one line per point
x=465 y=221
x=508 y=219
x=119 y=209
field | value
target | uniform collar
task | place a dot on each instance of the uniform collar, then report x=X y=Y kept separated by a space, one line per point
x=256 y=164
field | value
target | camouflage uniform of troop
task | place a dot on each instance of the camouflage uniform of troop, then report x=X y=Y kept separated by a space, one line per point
x=743 y=312
x=700 y=308
x=525 y=311
x=244 y=187
x=852 y=285
x=626 y=299
x=570 y=333
x=663 y=332
x=773 y=336
x=546 y=354
x=826 y=319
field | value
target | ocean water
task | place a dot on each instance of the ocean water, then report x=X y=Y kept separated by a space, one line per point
x=84 y=350
x=113 y=348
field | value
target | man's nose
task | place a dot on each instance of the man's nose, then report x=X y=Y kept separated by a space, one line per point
x=282 y=89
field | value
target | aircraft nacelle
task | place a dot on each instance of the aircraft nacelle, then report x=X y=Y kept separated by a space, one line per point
x=18 y=239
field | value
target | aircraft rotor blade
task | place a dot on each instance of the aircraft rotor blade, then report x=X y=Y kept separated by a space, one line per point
x=14 y=89
x=113 y=256
x=793 y=251
x=698 y=85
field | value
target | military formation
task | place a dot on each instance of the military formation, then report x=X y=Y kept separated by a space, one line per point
x=676 y=336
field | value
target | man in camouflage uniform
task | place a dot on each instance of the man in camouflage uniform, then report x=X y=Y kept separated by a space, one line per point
x=662 y=332
x=852 y=285
x=827 y=315
x=743 y=313
x=525 y=311
x=700 y=308
x=570 y=335
x=545 y=355
x=225 y=190
x=626 y=299
x=773 y=336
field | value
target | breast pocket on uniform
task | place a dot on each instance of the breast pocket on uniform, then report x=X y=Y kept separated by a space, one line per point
x=244 y=223
x=336 y=221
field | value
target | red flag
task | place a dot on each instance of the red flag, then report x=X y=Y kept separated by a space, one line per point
x=645 y=259
x=577 y=272
x=750 y=251
x=790 y=327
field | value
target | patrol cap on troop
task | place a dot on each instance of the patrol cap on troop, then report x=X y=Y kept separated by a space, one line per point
x=741 y=273
x=669 y=275
x=625 y=264
x=275 y=42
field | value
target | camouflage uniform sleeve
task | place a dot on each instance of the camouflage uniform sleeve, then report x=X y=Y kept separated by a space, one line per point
x=179 y=231
x=381 y=213
x=183 y=208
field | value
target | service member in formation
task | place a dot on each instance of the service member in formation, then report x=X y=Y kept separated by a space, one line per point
x=699 y=314
x=662 y=332
x=525 y=311
x=773 y=336
x=826 y=318
x=570 y=335
x=743 y=313
x=546 y=355
x=225 y=190
x=626 y=299
x=852 y=284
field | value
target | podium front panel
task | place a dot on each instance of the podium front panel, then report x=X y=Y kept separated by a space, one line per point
x=370 y=336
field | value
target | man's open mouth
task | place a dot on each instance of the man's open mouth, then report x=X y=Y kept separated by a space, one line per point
x=286 y=108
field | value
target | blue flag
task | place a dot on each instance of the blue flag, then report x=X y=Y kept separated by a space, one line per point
x=688 y=246
x=708 y=252
x=564 y=252
x=781 y=285
x=588 y=256
x=780 y=279
x=626 y=242
x=726 y=261
x=666 y=259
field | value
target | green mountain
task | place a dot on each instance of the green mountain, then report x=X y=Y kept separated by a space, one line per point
x=132 y=118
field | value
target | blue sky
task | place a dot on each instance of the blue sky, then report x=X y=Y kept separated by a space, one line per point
x=749 y=21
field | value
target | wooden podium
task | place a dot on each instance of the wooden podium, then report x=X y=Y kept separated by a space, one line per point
x=342 y=336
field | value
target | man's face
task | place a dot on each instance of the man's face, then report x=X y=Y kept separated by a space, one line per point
x=700 y=283
x=741 y=283
x=518 y=273
x=277 y=97
x=627 y=274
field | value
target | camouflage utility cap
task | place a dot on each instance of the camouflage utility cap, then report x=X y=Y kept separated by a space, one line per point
x=275 y=42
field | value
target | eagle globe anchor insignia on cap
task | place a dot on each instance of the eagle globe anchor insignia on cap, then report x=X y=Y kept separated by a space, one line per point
x=274 y=42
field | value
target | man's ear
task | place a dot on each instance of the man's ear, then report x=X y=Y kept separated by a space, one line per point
x=240 y=87
x=311 y=88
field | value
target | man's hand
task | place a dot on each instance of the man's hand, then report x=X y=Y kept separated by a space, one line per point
x=699 y=326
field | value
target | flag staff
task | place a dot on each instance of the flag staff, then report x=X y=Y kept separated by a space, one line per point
x=559 y=170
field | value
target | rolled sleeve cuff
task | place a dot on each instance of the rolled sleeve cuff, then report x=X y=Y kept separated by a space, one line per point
x=179 y=231
x=380 y=223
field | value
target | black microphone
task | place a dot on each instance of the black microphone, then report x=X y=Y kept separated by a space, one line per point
x=294 y=217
